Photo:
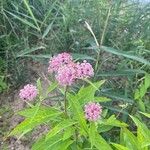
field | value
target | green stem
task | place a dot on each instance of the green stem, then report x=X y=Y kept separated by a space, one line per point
x=65 y=101
x=30 y=105
x=102 y=38
x=76 y=137
x=105 y=26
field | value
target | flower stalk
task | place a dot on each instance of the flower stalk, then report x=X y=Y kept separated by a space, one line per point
x=65 y=101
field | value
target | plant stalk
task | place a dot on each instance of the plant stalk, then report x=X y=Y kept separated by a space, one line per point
x=65 y=101
x=30 y=105
x=102 y=38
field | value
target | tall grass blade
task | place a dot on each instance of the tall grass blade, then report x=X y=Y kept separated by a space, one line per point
x=49 y=27
x=128 y=72
x=37 y=56
x=23 y=20
x=27 y=51
x=124 y=54
x=82 y=56
x=31 y=13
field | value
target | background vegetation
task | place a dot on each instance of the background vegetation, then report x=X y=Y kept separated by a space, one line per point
x=38 y=29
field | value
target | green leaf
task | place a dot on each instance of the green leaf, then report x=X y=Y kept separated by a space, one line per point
x=100 y=143
x=137 y=94
x=120 y=110
x=77 y=111
x=92 y=131
x=51 y=87
x=129 y=139
x=49 y=27
x=81 y=57
x=147 y=81
x=104 y=128
x=101 y=99
x=43 y=111
x=49 y=12
x=42 y=116
x=31 y=13
x=124 y=54
x=117 y=97
x=37 y=107
x=39 y=86
x=144 y=129
x=96 y=139
x=24 y=127
x=104 y=112
x=43 y=144
x=119 y=147
x=128 y=72
x=62 y=145
x=68 y=133
x=92 y=84
x=86 y=94
x=141 y=105
x=143 y=134
x=23 y=20
x=141 y=138
x=145 y=114
x=143 y=90
x=112 y=121
x=122 y=142
x=38 y=56
x=60 y=127
x=145 y=145
x=3 y=84
x=24 y=52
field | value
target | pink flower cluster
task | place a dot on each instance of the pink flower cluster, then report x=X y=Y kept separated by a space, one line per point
x=29 y=92
x=84 y=70
x=66 y=74
x=57 y=61
x=93 y=111
x=66 y=71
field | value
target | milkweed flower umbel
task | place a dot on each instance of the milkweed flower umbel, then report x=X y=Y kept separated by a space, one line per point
x=84 y=70
x=58 y=61
x=29 y=92
x=93 y=111
x=67 y=71
x=66 y=74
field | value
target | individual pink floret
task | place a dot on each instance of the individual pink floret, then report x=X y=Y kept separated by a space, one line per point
x=58 y=61
x=66 y=74
x=93 y=111
x=84 y=70
x=29 y=92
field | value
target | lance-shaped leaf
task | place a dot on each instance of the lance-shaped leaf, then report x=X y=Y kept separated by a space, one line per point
x=60 y=127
